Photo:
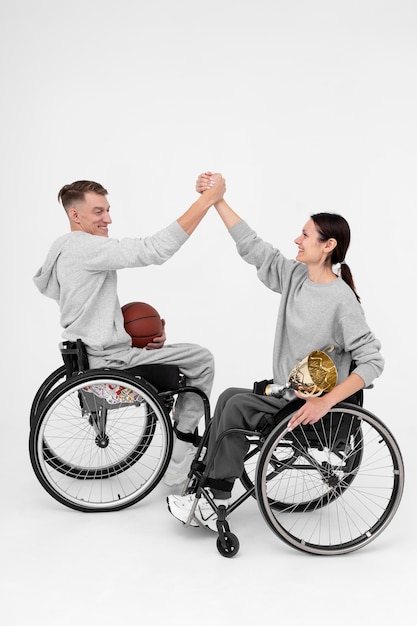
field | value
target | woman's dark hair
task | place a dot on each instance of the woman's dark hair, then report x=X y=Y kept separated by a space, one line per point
x=331 y=225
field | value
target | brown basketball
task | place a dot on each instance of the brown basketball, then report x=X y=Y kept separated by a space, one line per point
x=142 y=323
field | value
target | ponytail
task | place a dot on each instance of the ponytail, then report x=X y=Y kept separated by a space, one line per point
x=346 y=275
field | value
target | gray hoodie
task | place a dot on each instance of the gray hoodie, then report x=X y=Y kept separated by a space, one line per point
x=80 y=274
x=311 y=316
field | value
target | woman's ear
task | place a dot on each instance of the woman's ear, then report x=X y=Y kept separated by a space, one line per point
x=330 y=244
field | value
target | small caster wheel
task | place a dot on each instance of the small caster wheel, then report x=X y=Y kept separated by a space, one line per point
x=230 y=545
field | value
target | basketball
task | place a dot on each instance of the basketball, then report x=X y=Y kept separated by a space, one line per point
x=142 y=322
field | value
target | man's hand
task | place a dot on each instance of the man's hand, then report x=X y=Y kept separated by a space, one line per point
x=158 y=342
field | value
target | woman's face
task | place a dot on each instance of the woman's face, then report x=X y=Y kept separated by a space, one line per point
x=310 y=248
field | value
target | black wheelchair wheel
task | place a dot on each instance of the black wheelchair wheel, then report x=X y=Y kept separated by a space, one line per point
x=95 y=453
x=229 y=546
x=333 y=488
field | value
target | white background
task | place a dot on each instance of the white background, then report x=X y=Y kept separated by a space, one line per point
x=304 y=106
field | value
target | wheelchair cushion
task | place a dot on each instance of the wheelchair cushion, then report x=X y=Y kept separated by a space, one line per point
x=162 y=376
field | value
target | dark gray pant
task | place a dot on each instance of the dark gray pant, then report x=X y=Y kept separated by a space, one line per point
x=237 y=408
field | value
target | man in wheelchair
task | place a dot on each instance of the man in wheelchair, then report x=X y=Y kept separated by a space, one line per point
x=319 y=307
x=79 y=272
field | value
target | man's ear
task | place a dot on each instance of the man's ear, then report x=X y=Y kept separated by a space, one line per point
x=73 y=214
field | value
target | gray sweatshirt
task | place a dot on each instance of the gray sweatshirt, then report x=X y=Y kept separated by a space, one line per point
x=80 y=274
x=311 y=316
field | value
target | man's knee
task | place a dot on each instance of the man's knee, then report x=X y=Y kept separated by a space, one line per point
x=200 y=357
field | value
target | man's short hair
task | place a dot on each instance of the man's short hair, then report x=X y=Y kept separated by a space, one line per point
x=75 y=192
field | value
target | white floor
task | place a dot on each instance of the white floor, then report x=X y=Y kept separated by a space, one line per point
x=141 y=565
x=303 y=106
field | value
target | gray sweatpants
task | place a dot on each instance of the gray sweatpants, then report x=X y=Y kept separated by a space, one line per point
x=237 y=408
x=194 y=361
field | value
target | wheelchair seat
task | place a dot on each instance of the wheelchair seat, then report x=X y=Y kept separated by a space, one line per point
x=164 y=377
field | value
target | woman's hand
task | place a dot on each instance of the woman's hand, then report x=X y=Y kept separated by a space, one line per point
x=315 y=408
x=311 y=412
x=205 y=181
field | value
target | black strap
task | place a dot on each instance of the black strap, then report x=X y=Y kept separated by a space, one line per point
x=220 y=485
x=193 y=438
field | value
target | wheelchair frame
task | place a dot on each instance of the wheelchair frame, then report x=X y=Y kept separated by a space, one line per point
x=326 y=489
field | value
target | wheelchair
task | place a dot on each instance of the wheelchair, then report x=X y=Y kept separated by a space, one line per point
x=326 y=489
x=101 y=439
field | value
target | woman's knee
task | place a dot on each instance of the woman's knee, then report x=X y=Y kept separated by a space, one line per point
x=235 y=410
x=226 y=396
x=243 y=410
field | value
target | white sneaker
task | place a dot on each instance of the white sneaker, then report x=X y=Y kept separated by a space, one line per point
x=180 y=507
x=177 y=471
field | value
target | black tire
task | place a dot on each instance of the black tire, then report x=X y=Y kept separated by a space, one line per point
x=324 y=493
x=92 y=454
x=230 y=546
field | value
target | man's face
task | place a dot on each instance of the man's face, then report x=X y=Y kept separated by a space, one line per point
x=92 y=215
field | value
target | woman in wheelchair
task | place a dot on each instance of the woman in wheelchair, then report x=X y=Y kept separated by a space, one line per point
x=319 y=307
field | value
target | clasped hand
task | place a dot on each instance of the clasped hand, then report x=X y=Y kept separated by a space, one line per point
x=207 y=180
